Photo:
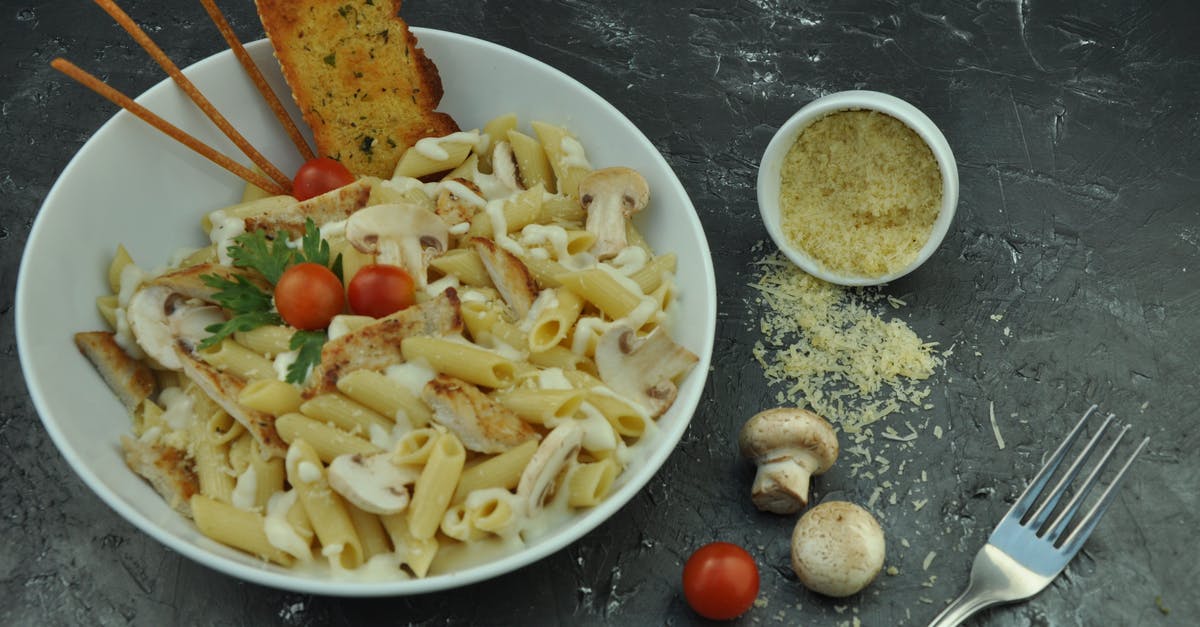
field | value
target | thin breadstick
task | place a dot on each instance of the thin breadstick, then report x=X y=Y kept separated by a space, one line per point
x=256 y=75
x=190 y=89
x=123 y=101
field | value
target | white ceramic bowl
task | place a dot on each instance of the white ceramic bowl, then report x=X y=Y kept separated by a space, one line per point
x=785 y=137
x=131 y=185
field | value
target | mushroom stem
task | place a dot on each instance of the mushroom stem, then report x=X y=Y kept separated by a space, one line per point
x=780 y=486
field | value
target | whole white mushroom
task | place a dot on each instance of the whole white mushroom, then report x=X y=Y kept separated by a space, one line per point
x=837 y=548
x=789 y=445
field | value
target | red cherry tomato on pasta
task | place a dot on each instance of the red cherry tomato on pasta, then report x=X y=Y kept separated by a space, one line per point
x=720 y=581
x=380 y=289
x=308 y=296
x=318 y=176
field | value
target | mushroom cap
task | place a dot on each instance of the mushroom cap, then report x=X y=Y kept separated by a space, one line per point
x=837 y=548
x=625 y=184
x=394 y=221
x=789 y=432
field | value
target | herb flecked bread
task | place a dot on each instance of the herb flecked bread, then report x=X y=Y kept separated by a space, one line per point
x=364 y=87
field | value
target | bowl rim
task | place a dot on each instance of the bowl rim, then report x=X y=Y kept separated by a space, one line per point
x=768 y=183
x=299 y=581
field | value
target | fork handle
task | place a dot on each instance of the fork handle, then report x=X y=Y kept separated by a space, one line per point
x=967 y=603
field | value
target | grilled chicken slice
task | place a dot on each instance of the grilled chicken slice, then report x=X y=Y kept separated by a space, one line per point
x=377 y=345
x=331 y=206
x=168 y=470
x=509 y=274
x=481 y=424
x=224 y=389
x=131 y=380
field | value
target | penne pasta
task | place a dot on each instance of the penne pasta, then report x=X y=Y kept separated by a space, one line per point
x=229 y=356
x=385 y=396
x=590 y=483
x=237 y=528
x=460 y=359
x=415 y=447
x=566 y=156
x=544 y=407
x=532 y=163
x=553 y=323
x=464 y=265
x=325 y=509
x=435 y=486
x=329 y=442
x=500 y=471
x=269 y=340
x=271 y=396
x=603 y=290
x=344 y=413
x=435 y=154
x=415 y=553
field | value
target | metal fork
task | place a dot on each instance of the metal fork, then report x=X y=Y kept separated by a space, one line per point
x=1026 y=552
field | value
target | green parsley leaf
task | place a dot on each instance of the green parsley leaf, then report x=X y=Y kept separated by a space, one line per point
x=239 y=295
x=242 y=322
x=308 y=344
x=269 y=256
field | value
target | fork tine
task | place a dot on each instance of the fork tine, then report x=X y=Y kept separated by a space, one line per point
x=1044 y=510
x=1056 y=528
x=1089 y=521
x=1030 y=495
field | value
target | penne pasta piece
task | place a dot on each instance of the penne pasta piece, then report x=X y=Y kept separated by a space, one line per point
x=566 y=156
x=370 y=532
x=211 y=452
x=231 y=357
x=116 y=268
x=532 y=164
x=603 y=290
x=434 y=488
x=236 y=528
x=462 y=360
x=415 y=553
x=204 y=254
x=564 y=358
x=326 y=511
x=271 y=396
x=463 y=264
x=627 y=419
x=493 y=510
x=589 y=484
x=499 y=471
x=415 y=447
x=344 y=413
x=108 y=306
x=435 y=154
x=456 y=523
x=563 y=211
x=496 y=131
x=544 y=271
x=381 y=394
x=269 y=340
x=329 y=442
x=544 y=407
x=655 y=272
x=553 y=323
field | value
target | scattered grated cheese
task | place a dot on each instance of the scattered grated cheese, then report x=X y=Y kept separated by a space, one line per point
x=904 y=543
x=832 y=350
x=996 y=317
x=928 y=560
x=919 y=503
x=937 y=431
x=893 y=571
x=995 y=427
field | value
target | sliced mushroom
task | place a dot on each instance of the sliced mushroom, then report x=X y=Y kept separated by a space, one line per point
x=504 y=166
x=611 y=195
x=161 y=318
x=790 y=445
x=482 y=424
x=403 y=235
x=642 y=369
x=372 y=482
x=552 y=458
x=509 y=274
x=457 y=200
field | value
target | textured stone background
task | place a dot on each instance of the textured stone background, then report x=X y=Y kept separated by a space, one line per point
x=1078 y=143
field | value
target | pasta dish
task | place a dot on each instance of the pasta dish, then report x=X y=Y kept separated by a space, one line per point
x=509 y=387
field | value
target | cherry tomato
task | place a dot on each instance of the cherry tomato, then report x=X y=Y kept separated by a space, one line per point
x=308 y=296
x=380 y=289
x=318 y=176
x=720 y=581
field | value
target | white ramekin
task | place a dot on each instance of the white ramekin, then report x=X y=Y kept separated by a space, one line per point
x=785 y=137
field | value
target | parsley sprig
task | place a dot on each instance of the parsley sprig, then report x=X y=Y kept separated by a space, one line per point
x=252 y=306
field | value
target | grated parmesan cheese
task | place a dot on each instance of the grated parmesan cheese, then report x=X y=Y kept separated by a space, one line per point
x=831 y=349
x=859 y=192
